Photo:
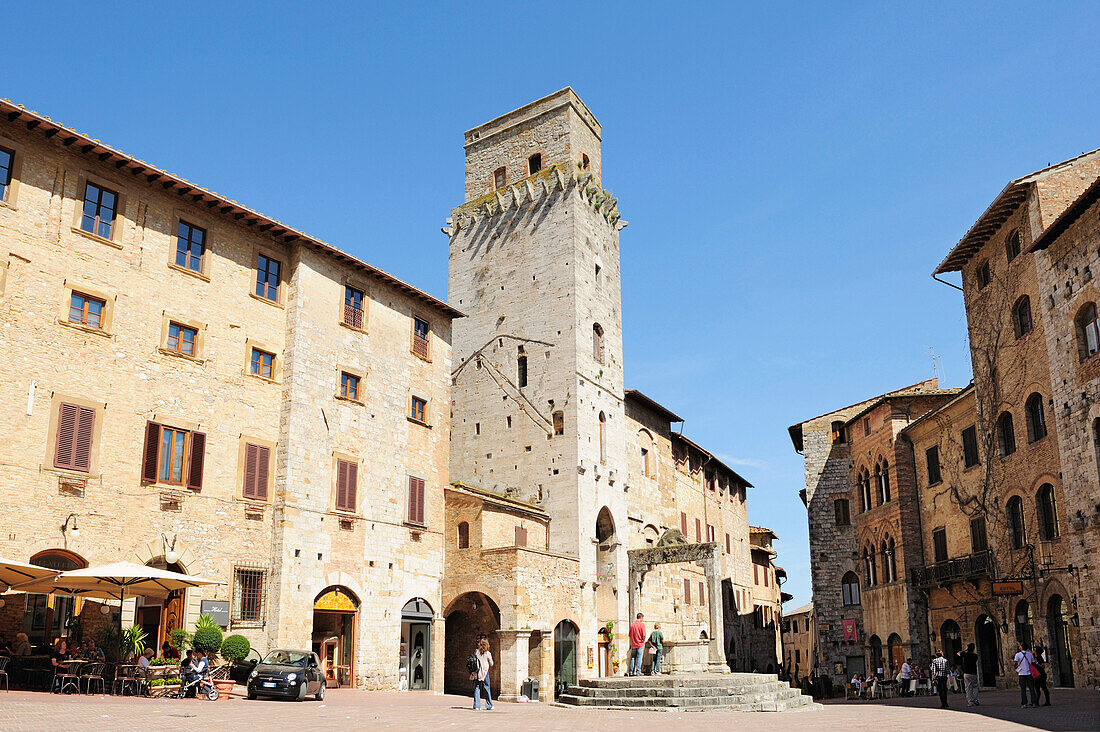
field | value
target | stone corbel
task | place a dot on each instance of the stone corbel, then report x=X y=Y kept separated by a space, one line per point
x=530 y=190
x=500 y=201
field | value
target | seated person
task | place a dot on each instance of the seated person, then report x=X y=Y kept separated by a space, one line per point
x=143 y=659
x=185 y=663
x=22 y=646
x=167 y=651
x=856 y=683
x=5 y=646
x=198 y=669
x=59 y=654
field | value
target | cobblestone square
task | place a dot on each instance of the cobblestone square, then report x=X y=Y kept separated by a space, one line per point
x=1074 y=709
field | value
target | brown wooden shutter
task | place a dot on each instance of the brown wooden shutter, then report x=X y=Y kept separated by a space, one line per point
x=263 y=468
x=152 y=445
x=341 y=483
x=521 y=536
x=416 y=500
x=698 y=531
x=687 y=591
x=66 y=431
x=727 y=543
x=82 y=440
x=351 y=481
x=248 y=487
x=198 y=456
x=683 y=524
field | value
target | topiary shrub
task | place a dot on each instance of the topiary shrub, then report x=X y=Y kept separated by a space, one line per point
x=235 y=648
x=208 y=640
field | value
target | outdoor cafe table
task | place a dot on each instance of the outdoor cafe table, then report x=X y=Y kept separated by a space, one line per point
x=127 y=673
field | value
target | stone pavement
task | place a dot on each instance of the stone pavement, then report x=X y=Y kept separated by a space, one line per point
x=1077 y=709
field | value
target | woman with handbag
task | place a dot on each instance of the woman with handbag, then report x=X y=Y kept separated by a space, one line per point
x=1041 y=681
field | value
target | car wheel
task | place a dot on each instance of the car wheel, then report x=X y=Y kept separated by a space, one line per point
x=302 y=691
x=321 y=691
x=251 y=696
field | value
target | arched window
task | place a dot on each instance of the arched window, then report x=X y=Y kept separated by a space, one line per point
x=863 y=487
x=597 y=342
x=603 y=437
x=889 y=568
x=1012 y=245
x=500 y=177
x=521 y=368
x=838 y=433
x=559 y=422
x=870 y=566
x=1088 y=331
x=463 y=535
x=1036 y=418
x=882 y=482
x=534 y=164
x=649 y=457
x=1021 y=316
x=849 y=588
x=1014 y=512
x=1006 y=434
x=1047 y=512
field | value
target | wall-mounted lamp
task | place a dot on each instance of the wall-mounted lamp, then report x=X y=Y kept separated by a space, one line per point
x=74 y=532
x=1075 y=619
x=171 y=556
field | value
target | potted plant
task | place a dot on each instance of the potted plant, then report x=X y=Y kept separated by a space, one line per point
x=208 y=639
x=235 y=650
x=132 y=643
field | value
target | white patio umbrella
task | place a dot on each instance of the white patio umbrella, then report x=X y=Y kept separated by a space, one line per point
x=13 y=574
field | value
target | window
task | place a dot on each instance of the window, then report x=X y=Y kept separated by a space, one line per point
x=1021 y=316
x=684 y=524
x=866 y=426
x=262 y=364
x=75 y=427
x=190 y=245
x=647 y=463
x=500 y=177
x=882 y=478
x=603 y=437
x=173 y=456
x=597 y=342
x=1006 y=434
x=755 y=573
x=889 y=566
x=728 y=544
x=267 y=278
x=1012 y=245
x=418 y=409
x=416 y=500
x=521 y=536
x=464 y=535
x=559 y=423
x=7 y=163
x=939 y=544
x=181 y=339
x=838 y=433
x=1014 y=512
x=353 y=307
x=764 y=571
x=710 y=533
x=1088 y=331
x=698 y=531
x=1036 y=418
x=687 y=591
x=248 y=595
x=1046 y=510
x=86 y=310
x=257 y=470
x=585 y=162
x=702 y=595
x=870 y=566
x=970 y=446
x=840 y=510
x=534 y=164
x=978 y=539
x=349 y=386
x=347 y=485
x=984 y=277
x=863 y=487
x=420 y=338
x=849 y=588
x=932 y=460
x=99 y=211
x=521 y=370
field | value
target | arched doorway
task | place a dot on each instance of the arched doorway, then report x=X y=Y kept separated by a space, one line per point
x=335 y=610
x=565 y=656
x=604 y=666
x=470 y=617
x=985 y=631
x=605 y=565
x=875 y=644
x=158 y=617
x=951 y=641
x=47 y=618
x=896 y=651
x=416 y=643
x=1060 y=657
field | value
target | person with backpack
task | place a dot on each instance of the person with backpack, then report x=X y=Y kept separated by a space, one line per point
x=1025 y=661
x=478 y=664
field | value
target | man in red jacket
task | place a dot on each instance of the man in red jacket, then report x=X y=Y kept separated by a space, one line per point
x=637 y=646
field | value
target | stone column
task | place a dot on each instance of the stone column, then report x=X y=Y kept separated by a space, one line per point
x=514 y=649
x=439 y=651
x=717 y=654
x=546 y=678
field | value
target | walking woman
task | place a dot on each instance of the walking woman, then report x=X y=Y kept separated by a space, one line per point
x=1041 y=682
x=481 y=676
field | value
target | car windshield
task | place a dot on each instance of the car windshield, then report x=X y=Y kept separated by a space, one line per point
x=287 y=658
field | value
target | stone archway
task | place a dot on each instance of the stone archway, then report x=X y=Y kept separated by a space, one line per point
x=470 y=616
x=989 y=664
x=335 y=616
x=1060 y=657
x=606 y=545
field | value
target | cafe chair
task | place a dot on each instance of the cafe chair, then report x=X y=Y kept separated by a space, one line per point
x=66 y=677
x=93 y=672
x=4 y=670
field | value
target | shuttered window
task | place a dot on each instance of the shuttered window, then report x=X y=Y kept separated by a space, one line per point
x=347 y=482
x=683 y=524
x=521 y=536
x=687 y=591
x=75 y=426
x=698 y=531
x=257 y=462
x=416 y=500
x=173 y=456
x=727 y=543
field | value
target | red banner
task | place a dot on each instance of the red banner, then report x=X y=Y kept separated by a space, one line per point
x=850 y=632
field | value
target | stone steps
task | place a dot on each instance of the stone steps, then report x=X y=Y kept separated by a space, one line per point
x=684 y=692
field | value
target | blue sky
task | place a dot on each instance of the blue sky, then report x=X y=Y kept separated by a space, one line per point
x=792 y=174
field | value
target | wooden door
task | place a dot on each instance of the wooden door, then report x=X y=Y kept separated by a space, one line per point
x=172 y=618
x=330 y=660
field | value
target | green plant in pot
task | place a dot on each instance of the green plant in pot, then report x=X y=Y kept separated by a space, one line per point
x=207 y=637
x=235 y=648
x=180 y=640
x=133 y=642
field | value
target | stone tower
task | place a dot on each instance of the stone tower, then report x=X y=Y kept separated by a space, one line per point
x=538 y=380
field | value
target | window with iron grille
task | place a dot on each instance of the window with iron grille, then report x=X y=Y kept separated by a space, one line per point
x=421 y=329
x=353 y=307
x=248 y=594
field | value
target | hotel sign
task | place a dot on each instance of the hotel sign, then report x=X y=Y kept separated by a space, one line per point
x=1014 y=587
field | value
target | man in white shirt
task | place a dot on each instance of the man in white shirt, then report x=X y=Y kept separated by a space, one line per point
x=905 y=675
x=1023 y=660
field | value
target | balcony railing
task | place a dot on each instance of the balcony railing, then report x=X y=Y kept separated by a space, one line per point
x=973 y=565
x=353 y=316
